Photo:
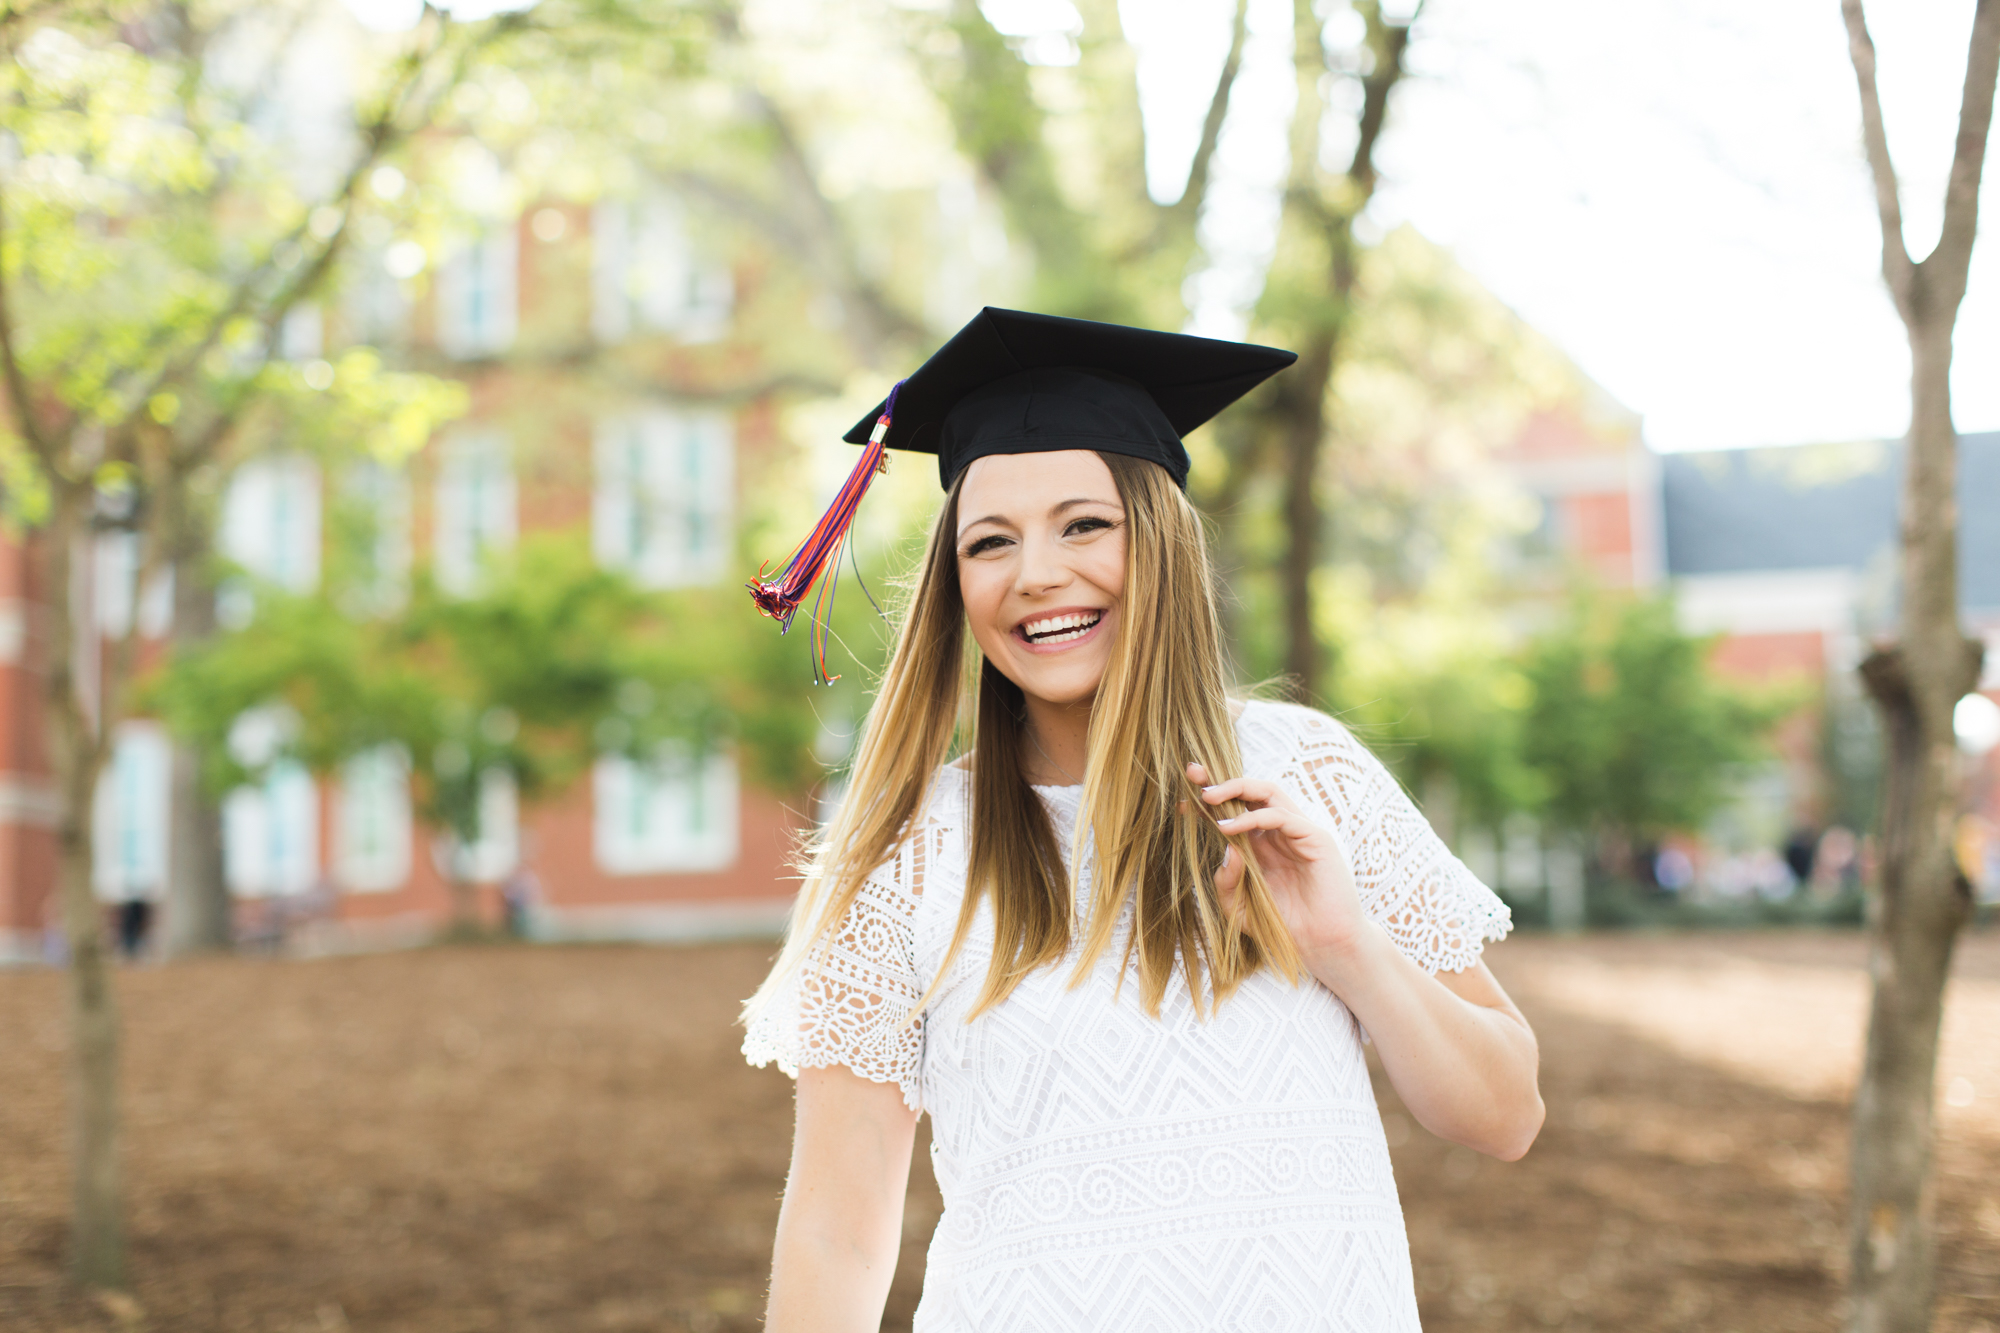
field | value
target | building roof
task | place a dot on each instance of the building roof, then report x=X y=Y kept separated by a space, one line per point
x=1737 y=511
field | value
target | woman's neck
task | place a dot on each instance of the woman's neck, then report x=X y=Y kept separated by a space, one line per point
x=1058 y=742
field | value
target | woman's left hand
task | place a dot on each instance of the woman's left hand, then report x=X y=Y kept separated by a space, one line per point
x=1304 y=865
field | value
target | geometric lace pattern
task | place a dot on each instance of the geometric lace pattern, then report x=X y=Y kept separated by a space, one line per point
x=1106 y=1169
x=1436 y=910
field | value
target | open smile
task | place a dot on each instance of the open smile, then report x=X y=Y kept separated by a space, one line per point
x=1059 y=629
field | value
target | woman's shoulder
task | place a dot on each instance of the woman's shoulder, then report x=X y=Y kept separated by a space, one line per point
x=1273 y=730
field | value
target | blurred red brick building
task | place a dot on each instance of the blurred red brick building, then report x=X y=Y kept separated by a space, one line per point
x=647 y=445
x=1788 y=555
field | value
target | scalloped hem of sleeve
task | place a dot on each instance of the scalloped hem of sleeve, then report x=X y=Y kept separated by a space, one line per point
x=759 y=1054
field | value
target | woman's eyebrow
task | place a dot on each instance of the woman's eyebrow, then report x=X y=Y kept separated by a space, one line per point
x=1082 y=500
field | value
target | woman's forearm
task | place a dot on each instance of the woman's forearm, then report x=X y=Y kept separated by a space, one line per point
x=1460 y=1055
x=825 y=1282
x=840 y=1227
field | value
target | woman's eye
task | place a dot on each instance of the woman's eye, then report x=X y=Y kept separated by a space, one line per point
x=1086 y=525
x=988 y=543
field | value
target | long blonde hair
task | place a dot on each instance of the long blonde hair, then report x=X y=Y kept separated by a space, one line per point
x=1160 y=705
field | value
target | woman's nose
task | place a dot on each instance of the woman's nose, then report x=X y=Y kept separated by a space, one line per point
x=1042 y=566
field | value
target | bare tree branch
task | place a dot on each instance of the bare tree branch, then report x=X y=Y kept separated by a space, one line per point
x=19 y=399
x=1391 y=45
x=1975 y=119
x=883 y=318
x=1897 y=270
x=1196 y=191
x=382 y=133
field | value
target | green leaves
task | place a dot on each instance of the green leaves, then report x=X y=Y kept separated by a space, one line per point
x=553 y=662
x=1630 y=728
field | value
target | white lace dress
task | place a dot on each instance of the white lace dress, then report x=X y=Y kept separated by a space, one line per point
x=1105 y=1170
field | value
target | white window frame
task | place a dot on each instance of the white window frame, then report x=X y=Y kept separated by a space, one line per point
x=492 y=856
x=114 y=568
x=670 y=816
x=648 y=277
x=478 y=293
x=270 y=833
x=384 y=492
x=371 y=821
x=129 y=815
x=475 y=507
x=271 y=521
x=662 y=508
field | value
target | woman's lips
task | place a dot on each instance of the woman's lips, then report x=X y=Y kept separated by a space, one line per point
x=1061 y=640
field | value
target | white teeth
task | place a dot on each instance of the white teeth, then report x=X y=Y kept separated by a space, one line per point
x=1061 y=629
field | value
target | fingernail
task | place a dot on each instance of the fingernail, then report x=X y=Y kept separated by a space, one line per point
x=1211 y=787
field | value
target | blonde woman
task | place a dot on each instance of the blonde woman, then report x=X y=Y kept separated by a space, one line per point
x=1125 y=948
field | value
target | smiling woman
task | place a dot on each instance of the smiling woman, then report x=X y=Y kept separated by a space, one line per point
x=1202 y=1150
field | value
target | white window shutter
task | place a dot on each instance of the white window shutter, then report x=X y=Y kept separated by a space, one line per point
x=662 y=281
x=129 y=815
x=114 y=566
x=385 y=494
x=114 y=561
x=271 y=521
x=610 y=256
x=477 y=293
x=476 y=512
x=618 y=506
x=270 y=834
x=372 y=821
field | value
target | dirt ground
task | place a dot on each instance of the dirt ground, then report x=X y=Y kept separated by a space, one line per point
x=557 y=1139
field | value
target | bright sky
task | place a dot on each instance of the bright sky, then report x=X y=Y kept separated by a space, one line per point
x=1673 y=190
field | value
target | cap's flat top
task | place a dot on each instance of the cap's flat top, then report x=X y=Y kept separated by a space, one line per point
x=1172 y=383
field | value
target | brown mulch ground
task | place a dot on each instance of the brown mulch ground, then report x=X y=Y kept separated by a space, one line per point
x=530 y=1139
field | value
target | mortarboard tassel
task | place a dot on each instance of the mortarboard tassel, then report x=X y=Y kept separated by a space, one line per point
x=781 y=597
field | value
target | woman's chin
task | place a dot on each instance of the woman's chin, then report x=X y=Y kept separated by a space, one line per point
x=1062 y=684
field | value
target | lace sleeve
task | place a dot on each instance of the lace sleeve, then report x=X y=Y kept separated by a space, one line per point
x=1436 y=910
x=849 y=1002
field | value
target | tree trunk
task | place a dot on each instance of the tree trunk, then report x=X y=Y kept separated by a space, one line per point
x=98 y=1235
x=1916 y=683
x=1302 y=433
x=199 y=915
x=1321 y=213
x=465 y=922
x=76 y=726
x=1924 y=899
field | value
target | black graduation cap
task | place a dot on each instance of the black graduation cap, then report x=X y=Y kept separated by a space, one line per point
x=1012 y=382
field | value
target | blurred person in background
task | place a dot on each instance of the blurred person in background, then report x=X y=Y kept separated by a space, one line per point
x=1801 y=850
x=520 y=893
x=1673 y=869
x=135 y=923
x=1836 y=865
x=1125 y=948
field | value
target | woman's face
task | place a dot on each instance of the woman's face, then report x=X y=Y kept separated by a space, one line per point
x=1041 y=566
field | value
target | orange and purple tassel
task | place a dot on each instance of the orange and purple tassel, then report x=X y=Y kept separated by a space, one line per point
x=781 y=597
